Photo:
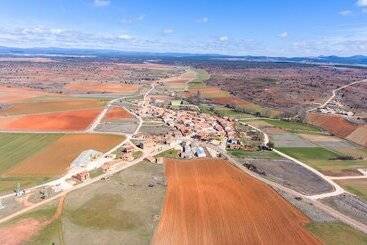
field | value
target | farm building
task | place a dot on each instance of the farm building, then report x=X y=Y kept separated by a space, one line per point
x=82 y=176
x=200 y=152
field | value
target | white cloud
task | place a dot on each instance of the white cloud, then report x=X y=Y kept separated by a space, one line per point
x=203 y=20
x=362 y=3
x=223 y=38
x=101 y=3
x=283 y=35
x=129 y=20
x=345 y=12
x=125 y=37
x=168 y=31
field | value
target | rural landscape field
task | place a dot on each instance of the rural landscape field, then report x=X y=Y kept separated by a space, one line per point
x=183 y=122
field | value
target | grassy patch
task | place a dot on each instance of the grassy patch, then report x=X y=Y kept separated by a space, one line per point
x=96 y=172
x=295 y=127
x=137 y=154
x=254 y=154
x=103 y=212
x=337 y=234
x=223 y=111
x=51 y=234
x=171 y=153
x=319 y=158
x=201 y=76
x=8 y=184
x=355 y=186
x=16 y=147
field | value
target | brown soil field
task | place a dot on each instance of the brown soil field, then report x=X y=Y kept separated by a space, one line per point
x=117 y=113
x=102 y=87
x=183 y=78
x=334 y=124
x=58 y=121
x=230 y=101
x=10 y=95
x=55 y=159
x=209 y=92
x=212 y=202
x=359 y=135
x=20 y=232
x=59 y=104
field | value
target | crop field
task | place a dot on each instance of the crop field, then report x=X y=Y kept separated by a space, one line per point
x=209 y=92
x=56 y=121
x=334 y=124
x=11 y=95
x=49 y=104
x=254 y=154
x=294 y=127
x=321 y=159
x=355 y=186
x=337 y=233
x=359 y=135
x=211 y=202
x=55 y=159
x=289 y=139
x=101 y=87
x=116 y=113
x=201 y=76
x=123 y=210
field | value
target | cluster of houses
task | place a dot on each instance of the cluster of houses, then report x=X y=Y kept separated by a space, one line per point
x=207 y=128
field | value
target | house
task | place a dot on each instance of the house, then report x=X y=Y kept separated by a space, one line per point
x=127 y=148
x=200 y=152
x=82 y=176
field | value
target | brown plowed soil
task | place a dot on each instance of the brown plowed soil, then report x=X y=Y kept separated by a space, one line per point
x=211 y=202
x=10 y=95
x=209 y=92
x=359 y=135
x=20 y=232
x=102 y=87
x=117 y=113
x=230 y=101
x=58 y=121
x=56 y=158
x=334 y=124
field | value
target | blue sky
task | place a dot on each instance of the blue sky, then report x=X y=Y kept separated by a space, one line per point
x=237 y=27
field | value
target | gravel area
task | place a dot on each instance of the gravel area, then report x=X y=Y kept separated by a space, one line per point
x=349 y=205
x=291 y=175
x=314 y=213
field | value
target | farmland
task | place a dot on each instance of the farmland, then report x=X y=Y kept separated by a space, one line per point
x=323 y=160
x=220 y=186
x=355 y=186
x=55 y=121
x=294 y=127
x=117 y=113
x=55 y=159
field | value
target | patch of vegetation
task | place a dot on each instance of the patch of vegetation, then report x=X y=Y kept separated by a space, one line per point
x=16 y=147
x=104 y=211
x=8 y=184
x=337 y=234
x=309 y=153
x=51 y=234
x=223 y=111
x=355 y=186
x=201 y=76
x=96 y=172
x=254 y=154
x=293 y=126
x=137 y=154
x=171 y=153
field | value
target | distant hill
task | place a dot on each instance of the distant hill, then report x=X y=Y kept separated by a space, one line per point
x=357 y=60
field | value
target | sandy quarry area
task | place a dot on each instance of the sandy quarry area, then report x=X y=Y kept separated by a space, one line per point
x=55 y=159
x=212 y=202
x=55 y=121
x=116 y=113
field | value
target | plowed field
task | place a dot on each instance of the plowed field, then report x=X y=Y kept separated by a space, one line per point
x=334 y=124
x=58 y=121
x=212 y=202
x=117 y=113
x=9 y=95
x=359 y=135
x=102 y=87
x=56 y=157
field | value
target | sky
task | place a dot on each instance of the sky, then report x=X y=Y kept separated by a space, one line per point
x=235 y=27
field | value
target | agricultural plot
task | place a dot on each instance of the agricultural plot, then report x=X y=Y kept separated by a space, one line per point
x=355 y=186
x=212 y=202
x=201 y=77
x=127 y=126
x=294 y=127
x=117 y=113
x=56 y=121
x=123 y=210
x=51 y=104
x=55 y=159
x=337 y=233
x=289 y=140
x=100 y=87
x=323 y=160
x=15 y=148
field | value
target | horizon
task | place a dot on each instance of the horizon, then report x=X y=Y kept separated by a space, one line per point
x=200 y=27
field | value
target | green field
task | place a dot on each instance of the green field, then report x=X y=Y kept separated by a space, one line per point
x=171 y=153
x=319 y=158
x=294 y=127
x=16 y=147
x=355 y=186
x=337 y=234
x=254 y=154
x=224 y=111
x=201 y=76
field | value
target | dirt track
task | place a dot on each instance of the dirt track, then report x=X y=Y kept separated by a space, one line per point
x=212 y=202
